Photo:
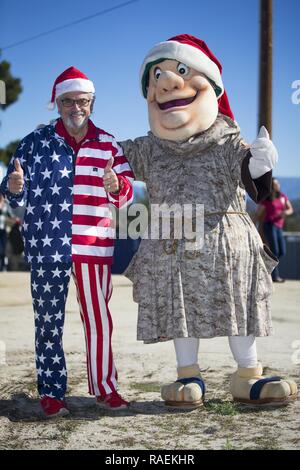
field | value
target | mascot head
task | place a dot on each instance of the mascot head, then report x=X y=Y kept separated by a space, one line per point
x=181 y=80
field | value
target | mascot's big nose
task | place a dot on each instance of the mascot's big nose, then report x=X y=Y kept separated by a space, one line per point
x=169 y=81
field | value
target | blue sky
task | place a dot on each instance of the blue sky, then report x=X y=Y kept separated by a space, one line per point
x=110 y=49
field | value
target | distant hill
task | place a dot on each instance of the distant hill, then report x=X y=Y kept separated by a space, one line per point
x=290 y=186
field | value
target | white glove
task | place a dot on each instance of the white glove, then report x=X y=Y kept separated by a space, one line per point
x=264 y=154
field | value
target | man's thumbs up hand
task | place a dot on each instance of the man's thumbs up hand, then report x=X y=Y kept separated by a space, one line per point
x=264 y=154
x=110 y=180
x=16 y=178
x=109 y=165
x=18 y=166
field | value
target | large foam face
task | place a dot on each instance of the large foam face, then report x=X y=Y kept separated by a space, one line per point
x=181 y=101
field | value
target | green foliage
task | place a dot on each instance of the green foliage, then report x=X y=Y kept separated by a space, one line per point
x=12 y=84
x=228 y=445
x=221 y=407
x=7 y=152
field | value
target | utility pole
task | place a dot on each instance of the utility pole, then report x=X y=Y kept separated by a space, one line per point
x=265 y=67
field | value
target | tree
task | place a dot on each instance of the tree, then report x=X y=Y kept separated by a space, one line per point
x=7 y=152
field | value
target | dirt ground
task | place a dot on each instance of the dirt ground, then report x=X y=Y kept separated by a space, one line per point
x=220 y=424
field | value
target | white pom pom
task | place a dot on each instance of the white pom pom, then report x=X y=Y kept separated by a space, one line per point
x=51 y=106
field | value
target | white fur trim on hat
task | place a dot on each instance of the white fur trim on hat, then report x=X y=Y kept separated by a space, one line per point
x=187 y=54
x=72 y=84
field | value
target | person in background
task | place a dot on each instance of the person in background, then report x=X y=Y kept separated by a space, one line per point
x=272 y=212
x=6 y=219
x=15 y=248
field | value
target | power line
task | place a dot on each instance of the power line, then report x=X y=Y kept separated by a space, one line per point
x=50 y=31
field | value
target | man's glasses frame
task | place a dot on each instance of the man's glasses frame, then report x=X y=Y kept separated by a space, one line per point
x=69 y=103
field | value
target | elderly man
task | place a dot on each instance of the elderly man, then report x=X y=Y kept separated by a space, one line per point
x=67 y=174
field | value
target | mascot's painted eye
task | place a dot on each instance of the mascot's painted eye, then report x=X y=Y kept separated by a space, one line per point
x=157 y=73
x=183 y=69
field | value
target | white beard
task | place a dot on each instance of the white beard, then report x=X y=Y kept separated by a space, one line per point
x=78 y=124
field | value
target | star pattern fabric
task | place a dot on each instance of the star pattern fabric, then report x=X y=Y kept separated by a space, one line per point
x=49 y=289
x=47 y=162
x=62 y=224
x=67 y=210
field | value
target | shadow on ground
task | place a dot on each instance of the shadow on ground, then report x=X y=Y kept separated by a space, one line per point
x=23 y=408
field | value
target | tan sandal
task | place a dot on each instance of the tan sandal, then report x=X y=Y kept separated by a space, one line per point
x=187 y=392
x=249 y=386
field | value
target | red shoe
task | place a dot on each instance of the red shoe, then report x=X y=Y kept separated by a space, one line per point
x=53 y=407
x=113 y=401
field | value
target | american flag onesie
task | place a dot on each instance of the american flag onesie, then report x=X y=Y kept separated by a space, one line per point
x=68 y=230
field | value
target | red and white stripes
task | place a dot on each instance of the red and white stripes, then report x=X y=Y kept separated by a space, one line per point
x=92 y=230
x=94 y=289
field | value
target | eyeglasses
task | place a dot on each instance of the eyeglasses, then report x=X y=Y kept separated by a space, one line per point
x=68 y=102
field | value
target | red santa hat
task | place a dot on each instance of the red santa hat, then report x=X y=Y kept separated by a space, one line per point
x=194 y=53
x=70 y=80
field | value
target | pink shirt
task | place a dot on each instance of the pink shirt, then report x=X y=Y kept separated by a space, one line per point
x=274 y=210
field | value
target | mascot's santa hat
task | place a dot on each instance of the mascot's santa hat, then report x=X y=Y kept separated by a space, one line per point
x=70 y=80
x=194 y=53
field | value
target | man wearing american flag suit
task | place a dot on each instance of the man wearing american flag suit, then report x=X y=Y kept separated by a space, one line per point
x=67 y=175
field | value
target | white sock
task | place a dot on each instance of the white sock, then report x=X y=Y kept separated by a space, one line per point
x=186 y=351
x=244 y=351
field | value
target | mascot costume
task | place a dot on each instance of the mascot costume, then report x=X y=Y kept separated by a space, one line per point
x=195 y=154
